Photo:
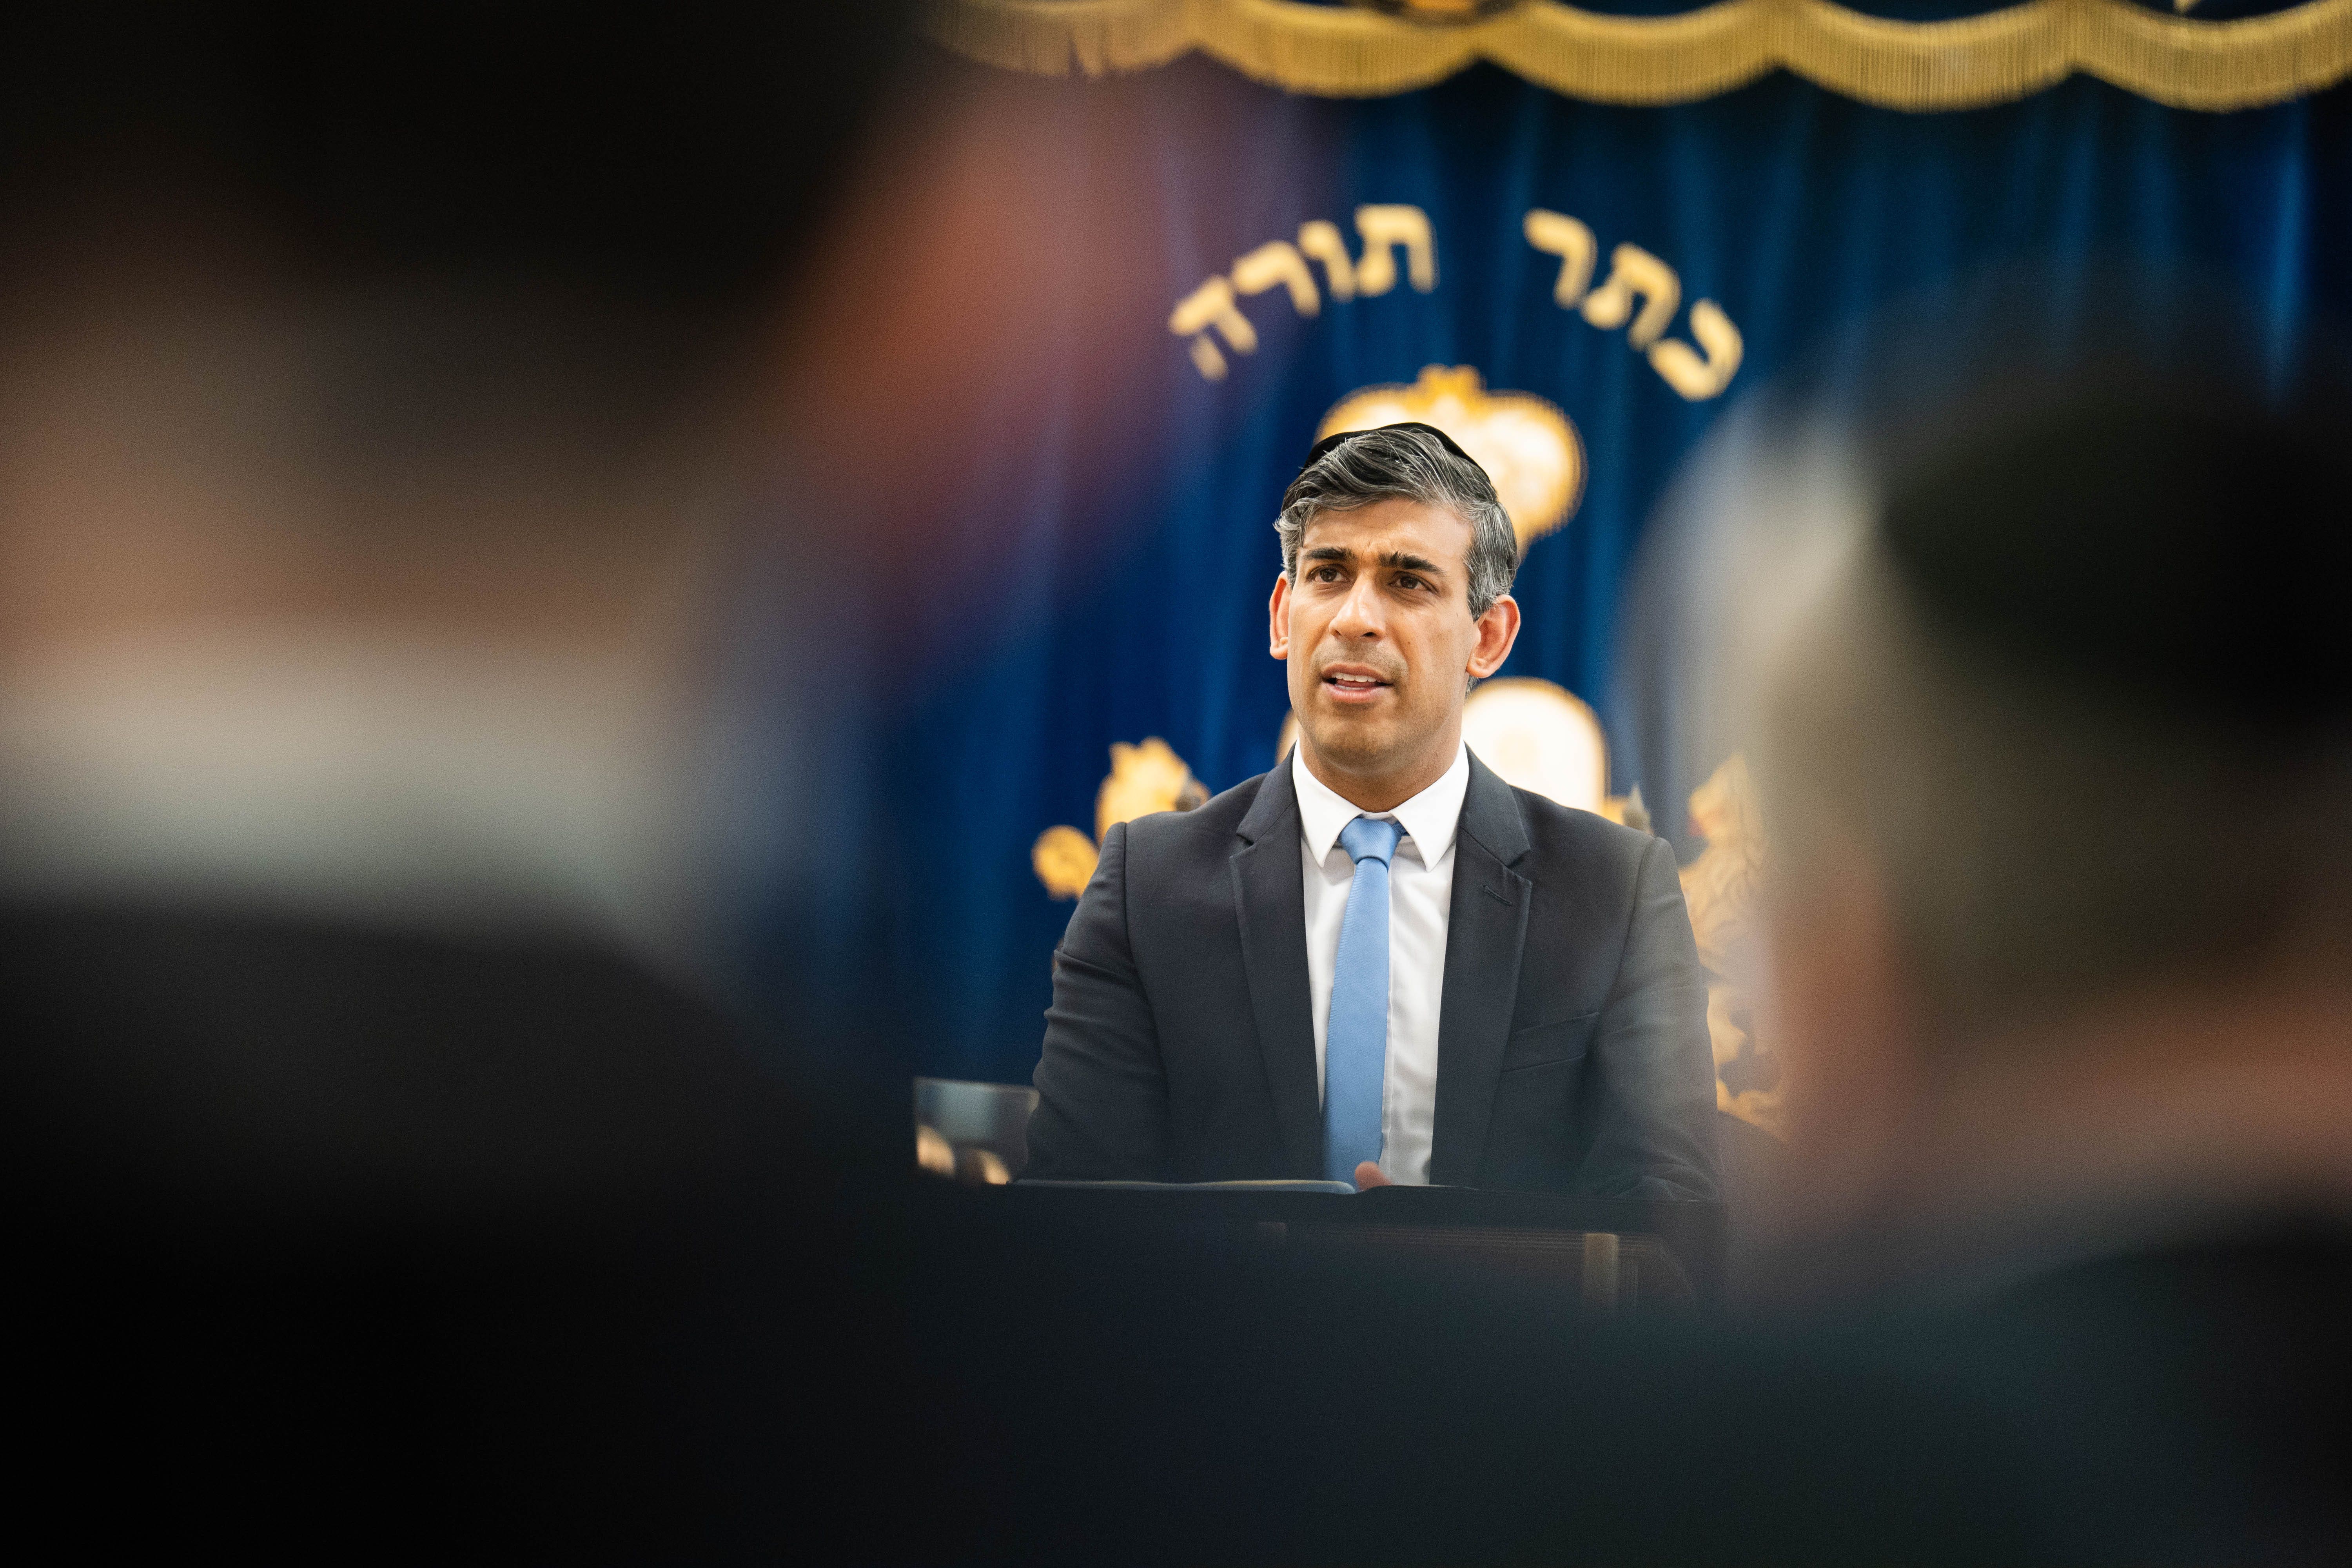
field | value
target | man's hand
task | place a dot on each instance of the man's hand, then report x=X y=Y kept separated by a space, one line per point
x=1368 y=1175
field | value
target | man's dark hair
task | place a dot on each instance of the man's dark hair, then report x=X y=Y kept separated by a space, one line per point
x=1406 y=462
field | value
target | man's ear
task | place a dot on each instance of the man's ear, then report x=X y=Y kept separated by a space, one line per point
x=1277 y=618
x=1499 y=628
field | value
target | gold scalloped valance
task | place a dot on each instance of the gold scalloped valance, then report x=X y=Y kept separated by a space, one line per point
x=1992 y=57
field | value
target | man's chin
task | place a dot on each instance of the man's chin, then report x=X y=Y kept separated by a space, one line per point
x=1353 y=741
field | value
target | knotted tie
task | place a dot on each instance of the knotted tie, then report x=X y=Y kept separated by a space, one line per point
x=1356 y=1035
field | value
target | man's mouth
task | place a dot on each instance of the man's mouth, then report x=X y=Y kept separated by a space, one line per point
x=1353 y=684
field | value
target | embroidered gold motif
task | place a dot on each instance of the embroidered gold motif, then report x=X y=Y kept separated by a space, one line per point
x=1540 y=737
x=1143 y=779
x=1527 y=447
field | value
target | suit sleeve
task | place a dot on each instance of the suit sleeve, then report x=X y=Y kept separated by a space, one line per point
x=1654 y=1137
x=1102 y=1096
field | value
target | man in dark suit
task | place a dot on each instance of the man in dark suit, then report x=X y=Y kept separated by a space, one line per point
x=1379 y=963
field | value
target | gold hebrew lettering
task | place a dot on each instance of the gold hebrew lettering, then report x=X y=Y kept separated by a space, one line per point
x=1558 y=234
x=1211 y=305
x=1279 y=261
x=1634 y=270
x=1383 y=228
x=1682 y=366
x=1321 y=239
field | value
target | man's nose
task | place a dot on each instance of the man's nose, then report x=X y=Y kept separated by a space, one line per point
x=1360 y=611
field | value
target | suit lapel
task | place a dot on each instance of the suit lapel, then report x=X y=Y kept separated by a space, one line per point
x=1270 y=901
x=1486 y=928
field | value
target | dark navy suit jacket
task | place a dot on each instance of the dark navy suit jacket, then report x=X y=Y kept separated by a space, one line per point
x=1572 y=1047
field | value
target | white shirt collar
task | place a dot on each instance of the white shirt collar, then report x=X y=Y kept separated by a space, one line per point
x=1430 y=819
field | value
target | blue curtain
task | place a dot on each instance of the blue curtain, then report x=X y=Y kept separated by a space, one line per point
x=1116 y=522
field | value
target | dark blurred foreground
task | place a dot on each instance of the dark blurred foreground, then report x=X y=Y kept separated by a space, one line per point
x=419 y=1202
x=420 y=1284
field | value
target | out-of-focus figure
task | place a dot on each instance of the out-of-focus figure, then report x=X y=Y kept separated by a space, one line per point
x=2056 y=758
x=380 y=389
x=1144 y=778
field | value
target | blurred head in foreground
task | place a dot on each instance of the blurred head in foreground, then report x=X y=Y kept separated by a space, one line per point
x=2055 y=749
x=378 y=386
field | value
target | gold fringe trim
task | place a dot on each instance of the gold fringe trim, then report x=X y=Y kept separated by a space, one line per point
x=1916 y=66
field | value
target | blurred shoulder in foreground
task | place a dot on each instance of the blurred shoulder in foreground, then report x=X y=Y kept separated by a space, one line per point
x=2056 y=760
x=382 y=385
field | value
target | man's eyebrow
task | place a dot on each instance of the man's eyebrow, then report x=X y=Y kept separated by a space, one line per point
x=1398 y=558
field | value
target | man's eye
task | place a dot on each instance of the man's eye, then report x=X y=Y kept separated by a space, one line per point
x=1324 y=574
x=1410 y=581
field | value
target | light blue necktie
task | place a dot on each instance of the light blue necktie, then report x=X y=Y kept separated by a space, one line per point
x=1356 y=1035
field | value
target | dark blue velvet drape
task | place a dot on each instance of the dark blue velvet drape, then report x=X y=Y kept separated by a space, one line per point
x=1124 y=576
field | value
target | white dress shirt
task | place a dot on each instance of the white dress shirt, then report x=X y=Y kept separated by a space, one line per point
x=1421 y=897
